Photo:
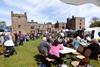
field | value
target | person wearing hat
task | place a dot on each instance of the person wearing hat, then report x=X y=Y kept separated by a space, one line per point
x=44 y=48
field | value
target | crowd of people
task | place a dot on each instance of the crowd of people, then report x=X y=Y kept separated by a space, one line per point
x=8 y=40
x=53 y=42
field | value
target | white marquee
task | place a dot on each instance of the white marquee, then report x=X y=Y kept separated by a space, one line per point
x=79 y=2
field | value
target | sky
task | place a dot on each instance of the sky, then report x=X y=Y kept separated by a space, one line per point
x=47 y=10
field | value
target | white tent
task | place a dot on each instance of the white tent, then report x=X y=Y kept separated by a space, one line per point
x=79 y=2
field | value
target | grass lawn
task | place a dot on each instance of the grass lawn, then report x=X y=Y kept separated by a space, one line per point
x=26 y=56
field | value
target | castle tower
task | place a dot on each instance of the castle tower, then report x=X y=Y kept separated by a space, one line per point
x=19 y=21
x=75 y=23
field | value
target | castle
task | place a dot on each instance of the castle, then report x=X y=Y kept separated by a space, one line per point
x=20 y=23
x=76 y=23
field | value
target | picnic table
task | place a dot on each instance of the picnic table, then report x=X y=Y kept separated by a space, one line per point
x=66 y=50
x=71 y=54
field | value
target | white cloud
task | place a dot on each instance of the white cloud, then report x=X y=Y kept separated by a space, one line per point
x=52 y=10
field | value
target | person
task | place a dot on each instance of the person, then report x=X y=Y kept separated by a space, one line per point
x=6 y=36
x=9 y=46
x=95 y=48
x=69 y=43
x=15 y=38
x=1 y=44
x=55 y=48
x=9 y=42
x=76 y=42
x=21 y=38
x=27 y=38
x=32 y=36
x=44 y=48
x=54 y=52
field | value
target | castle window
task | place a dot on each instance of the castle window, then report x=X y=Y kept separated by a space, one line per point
x=62 y=27
x=18 y=16
x=80 y=19
x=80 y=23
x=32 y=27
x=19 y=26
x=80 y=27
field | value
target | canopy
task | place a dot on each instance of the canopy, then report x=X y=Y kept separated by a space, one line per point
x=79 y=2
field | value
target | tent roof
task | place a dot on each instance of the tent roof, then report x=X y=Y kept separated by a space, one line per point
x=79 y=2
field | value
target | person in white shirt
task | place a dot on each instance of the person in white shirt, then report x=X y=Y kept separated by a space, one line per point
x=9 y=41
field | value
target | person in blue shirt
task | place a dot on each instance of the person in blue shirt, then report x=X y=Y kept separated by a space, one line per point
x=76 y=42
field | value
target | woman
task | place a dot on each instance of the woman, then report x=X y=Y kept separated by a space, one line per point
x=54 y=51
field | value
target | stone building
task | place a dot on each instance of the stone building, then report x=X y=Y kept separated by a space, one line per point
x=20 y=23
x=75 y=23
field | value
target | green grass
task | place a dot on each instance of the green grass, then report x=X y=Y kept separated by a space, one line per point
x=26 y=56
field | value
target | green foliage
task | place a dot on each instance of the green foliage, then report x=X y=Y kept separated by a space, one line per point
x=24 y=57
x=95 y=24
x=2 y=22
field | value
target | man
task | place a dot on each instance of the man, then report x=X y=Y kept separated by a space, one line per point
x=44 y=48
x=95 y=47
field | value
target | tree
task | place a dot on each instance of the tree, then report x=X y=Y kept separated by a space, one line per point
x=2 y=26
x=2 y=23
x=95 y=19
x=95 y=24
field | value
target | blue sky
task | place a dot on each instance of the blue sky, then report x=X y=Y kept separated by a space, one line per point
x=47 y=10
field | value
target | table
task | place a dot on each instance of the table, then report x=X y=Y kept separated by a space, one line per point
x=67 y=50
x=70 y=54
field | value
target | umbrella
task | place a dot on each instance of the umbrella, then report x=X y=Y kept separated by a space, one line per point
x=79 y=2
